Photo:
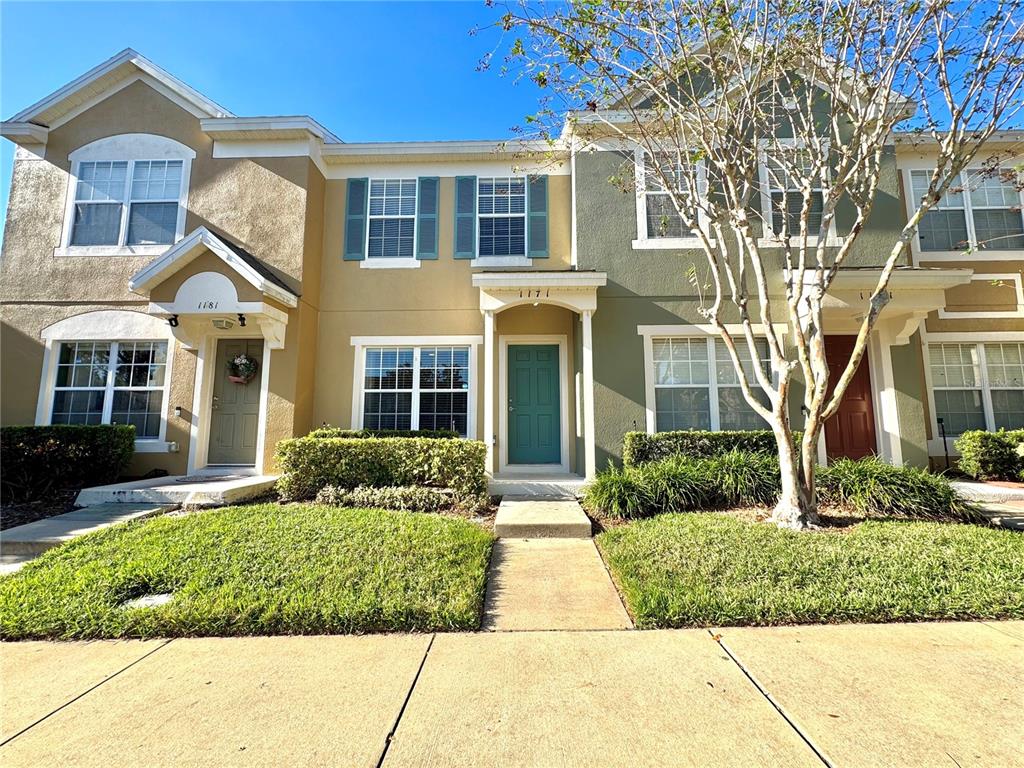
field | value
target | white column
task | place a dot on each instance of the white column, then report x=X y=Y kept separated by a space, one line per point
x=883 y=382
x=489 y=388
x=589 y=449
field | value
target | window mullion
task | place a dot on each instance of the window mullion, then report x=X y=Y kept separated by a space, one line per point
x=108 y=390
x=986 y=393
x=126 y=202
x=414 y=418
x=713 y=384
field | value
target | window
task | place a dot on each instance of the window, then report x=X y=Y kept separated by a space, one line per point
x=978 y=386
x=501 y=210
x=661 y=220
x=784 y=196
x=109 y=210
x=417 y=388
x=689 y=395
x=111 y=382
x=983 y=210
x=392 y=219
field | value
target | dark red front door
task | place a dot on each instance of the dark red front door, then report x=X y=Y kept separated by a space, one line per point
x=850 y=432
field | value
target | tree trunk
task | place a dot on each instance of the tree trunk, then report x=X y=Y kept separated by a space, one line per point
x=797 y=507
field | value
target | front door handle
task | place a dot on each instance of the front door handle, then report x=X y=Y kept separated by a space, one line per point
x=215 y=404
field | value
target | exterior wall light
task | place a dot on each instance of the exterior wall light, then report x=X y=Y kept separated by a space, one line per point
x=222 y=323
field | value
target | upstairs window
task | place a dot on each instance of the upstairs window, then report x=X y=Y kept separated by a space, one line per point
x=661 y=219
x=783 y=171
x=130 y=202
x=391 y=233
x=501 y=211
x=982 y=210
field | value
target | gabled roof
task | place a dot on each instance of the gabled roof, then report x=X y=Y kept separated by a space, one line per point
x=128 y=65
x=247 y=266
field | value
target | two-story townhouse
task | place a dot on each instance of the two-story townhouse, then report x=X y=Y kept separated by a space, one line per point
x=515 y=296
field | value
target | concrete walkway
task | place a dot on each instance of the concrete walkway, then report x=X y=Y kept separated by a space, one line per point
x=941 y=694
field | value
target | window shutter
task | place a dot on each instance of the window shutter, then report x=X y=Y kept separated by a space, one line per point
x=355 y=219
x=465 y=217
x=426 y=218
x=537 y=217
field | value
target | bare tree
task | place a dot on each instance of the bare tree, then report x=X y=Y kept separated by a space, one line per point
x=738 y=101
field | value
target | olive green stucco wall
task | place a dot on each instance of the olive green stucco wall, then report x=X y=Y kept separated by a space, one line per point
x=908 y=376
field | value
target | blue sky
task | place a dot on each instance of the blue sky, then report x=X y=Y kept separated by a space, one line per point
x=367 y=71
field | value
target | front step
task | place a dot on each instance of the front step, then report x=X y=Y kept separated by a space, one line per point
x=184 y=491
x=32 y=539
x=537 y=486
x=527 y=518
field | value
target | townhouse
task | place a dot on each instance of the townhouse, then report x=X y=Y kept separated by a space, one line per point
x=224 y=282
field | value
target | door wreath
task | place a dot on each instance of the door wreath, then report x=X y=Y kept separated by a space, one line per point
x=242 y=369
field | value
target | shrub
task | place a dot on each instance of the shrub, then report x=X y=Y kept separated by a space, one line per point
x=743 y=479
x=621 y=493
x=323 y=432
x=410 y=498
x=677 y=484
x=991 y=455
x=641 y=448
x=875 y=489
x=35 y=460
x=310 y=464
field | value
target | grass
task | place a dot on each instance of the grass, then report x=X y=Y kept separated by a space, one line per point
x=258 y=569
x=682 y=570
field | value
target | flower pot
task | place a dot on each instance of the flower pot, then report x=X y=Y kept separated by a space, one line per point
x=239 y=379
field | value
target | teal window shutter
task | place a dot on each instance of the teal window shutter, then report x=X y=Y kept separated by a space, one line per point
x=537 y=217
x=426 y=218
x=465 y=217
x=355 y=219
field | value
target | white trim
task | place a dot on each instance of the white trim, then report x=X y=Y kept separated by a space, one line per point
x=413 y=341
x=589 y=442
x=969 y=337
x=287 y=126
x=384 y=262
x=644 y=240
x=389 y=263
x=883 y=399
x=1014 y=277
x=398 y=167
x=684 y=329
x=488 y=436
x=504 y=342
x=573 y=239
x=501 y=261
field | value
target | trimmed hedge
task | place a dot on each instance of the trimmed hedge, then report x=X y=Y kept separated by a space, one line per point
x=310 y=464
x=410 y=498
x=868 y=487
x=36 y=460
x=641 y=448
x=991 y=455
x=323 y=432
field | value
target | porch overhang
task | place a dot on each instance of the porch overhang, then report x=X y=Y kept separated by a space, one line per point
x=574 y=290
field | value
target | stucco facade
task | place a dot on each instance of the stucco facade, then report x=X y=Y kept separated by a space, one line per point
x=275 y=243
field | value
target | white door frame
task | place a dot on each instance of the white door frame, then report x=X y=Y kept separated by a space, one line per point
x=504 y=342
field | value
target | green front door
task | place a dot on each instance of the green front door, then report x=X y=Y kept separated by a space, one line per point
x=534 y=435
x=235 y=411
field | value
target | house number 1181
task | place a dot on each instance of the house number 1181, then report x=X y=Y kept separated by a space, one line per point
x=208 y=304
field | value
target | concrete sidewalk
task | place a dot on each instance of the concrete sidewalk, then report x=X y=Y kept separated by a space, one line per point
x=909 y=695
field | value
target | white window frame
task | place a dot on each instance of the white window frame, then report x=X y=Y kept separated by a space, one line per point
x=986 y=254
x=712 y=337
x=644 y=239
x=377 y=262
x=128 y=148
x=935 y=446
x=361 y=343
x=769 y=238
x=504 y=261
x=110 y=387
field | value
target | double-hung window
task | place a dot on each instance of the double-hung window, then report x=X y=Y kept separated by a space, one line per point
x=127 y=202
x=982 y=209
x=696 y=385
x=391 y=233
x=978 y=386
x=657 y=177
x=783 y=171
x=416 y=388
x=111 y=382
x=501 y=213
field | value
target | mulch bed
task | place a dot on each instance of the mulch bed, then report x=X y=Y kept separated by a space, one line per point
x=56 y=503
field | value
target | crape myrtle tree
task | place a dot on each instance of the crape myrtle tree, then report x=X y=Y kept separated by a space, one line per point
x=798 y=101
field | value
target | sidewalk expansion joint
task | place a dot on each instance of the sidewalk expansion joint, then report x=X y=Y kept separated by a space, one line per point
x=768 y=697
x=398 y=719
x=86 y=692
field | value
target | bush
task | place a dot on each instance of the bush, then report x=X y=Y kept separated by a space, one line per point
x=323 y=432
x=744 y=479
x=411 y=498
x=622 y=493
x=991 y=455
x=873 y=488
x=641 y=448
x=35 y=460
x=310 y=464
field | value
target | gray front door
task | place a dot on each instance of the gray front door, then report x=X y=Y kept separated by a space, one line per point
x=235 y=411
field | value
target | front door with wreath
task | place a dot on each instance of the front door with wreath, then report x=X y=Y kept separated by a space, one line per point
x=235 y=410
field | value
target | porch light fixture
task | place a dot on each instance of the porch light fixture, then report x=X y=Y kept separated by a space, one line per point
x=241 y=320
x=173 y=321
x=222 y=323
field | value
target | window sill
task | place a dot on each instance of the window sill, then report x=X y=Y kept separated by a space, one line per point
x=502 y=261
x=984 y=254
x=668 y=243
x=110 y=250
x=155 y=446
x=381 y=263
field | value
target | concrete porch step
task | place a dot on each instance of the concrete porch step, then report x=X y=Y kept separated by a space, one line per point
x=531 y=518
x=540 y=486
x=32 y=539
x=186 y=491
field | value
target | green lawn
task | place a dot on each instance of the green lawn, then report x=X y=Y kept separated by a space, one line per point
x=258 y=569
x=702 y=569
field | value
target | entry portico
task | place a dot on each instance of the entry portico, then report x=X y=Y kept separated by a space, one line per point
x=526 y=355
